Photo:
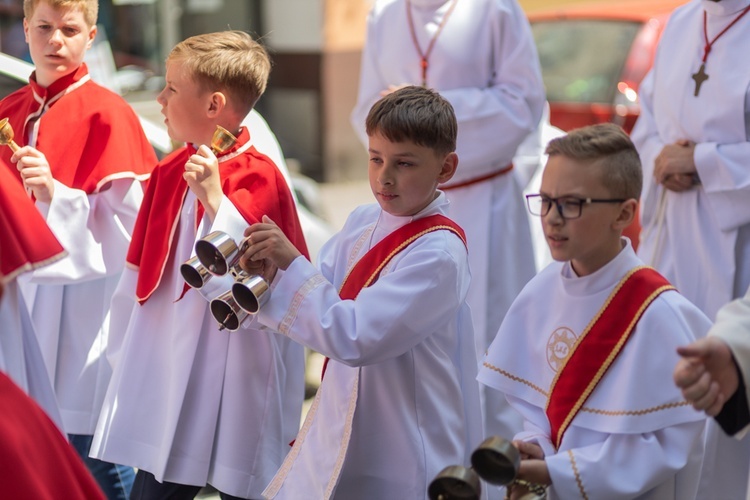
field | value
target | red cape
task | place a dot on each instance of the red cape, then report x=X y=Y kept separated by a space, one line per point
x=249 y=179
x=26 y=241
x=36 y=461
x=89 y=134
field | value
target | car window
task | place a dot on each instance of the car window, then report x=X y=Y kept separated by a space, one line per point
x=9 y=84
x=582 y=59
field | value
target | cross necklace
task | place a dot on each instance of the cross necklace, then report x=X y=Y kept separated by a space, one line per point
x=701 y=76
x=424 y=56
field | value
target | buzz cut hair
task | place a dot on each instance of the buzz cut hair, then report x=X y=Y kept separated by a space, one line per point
x=415 y=114
x=607 y=145
x=90 y=8
x=231 y=62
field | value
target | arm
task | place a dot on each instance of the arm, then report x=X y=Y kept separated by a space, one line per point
x=400 y=310
x=641 y=462
x=95 y=229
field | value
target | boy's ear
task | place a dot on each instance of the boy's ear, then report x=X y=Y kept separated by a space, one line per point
x=450 y=163
x=92 y=35
x=216 y=104
x=626 y=214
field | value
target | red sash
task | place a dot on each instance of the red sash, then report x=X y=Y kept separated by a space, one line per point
x=367 y=270
x=599 y=345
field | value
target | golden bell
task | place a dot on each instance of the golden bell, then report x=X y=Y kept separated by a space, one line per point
x=222 y=140
x=6 y=135
x=496 y=460
x=455 y=482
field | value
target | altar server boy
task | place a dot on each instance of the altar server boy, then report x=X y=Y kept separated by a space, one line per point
x=586 y=351
x=190 y=404
x=398 y=401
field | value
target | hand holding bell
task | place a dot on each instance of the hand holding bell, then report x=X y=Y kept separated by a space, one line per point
x=6 y=135
x=495 y=460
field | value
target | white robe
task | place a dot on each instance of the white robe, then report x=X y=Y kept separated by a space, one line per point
x=485 y=64
x=20 y=357
x=635 y=436
x=702 y=244
x=399 y=401
x=69 y=300
x=187 y=402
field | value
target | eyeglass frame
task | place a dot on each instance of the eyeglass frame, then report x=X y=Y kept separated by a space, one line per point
x=556 y=201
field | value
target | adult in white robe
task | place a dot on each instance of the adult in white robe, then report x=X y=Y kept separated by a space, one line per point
x=485 y=64
x=699 y=239
x=635 y=436
x=399 y=401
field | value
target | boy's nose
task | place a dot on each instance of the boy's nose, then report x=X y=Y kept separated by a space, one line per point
x=56 y=37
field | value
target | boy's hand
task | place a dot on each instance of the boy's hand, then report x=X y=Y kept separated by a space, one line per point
x=202 y=176
x=35 y=172
x=706 y=374
x=266 y=242
x=533 y=468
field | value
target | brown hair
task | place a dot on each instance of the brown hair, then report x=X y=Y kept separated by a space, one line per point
x=416 y=114
x=90 y=8
x=610 y=147
x=227 y=61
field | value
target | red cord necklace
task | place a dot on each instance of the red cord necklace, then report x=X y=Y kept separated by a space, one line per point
x=424 y=57
x=701 y=76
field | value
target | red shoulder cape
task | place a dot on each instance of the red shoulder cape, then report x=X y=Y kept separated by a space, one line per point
x=26 y=241
x=36 y=461
x=89 y=134
x=249 y=179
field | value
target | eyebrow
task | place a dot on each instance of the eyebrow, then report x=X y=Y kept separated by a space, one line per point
x=400 y=155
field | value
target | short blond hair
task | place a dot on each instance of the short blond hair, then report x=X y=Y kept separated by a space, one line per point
x=227 y=61
x=90 y=8
x=610 y=147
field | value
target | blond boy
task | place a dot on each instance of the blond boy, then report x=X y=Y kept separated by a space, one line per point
x=190 y=404
x=83 y=154
x=586 y=351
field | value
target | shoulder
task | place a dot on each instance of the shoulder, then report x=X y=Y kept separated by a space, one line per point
x=387 y=7
x=672 y=315
x=683 y=13
x=20 y=96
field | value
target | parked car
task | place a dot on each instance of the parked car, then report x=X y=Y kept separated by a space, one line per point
x=594 y=56
x=14 y=73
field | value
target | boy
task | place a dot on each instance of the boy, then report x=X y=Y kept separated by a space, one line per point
x=398 y=400
x=586 y=350
x=189 y=404
x=480 y=56
x=83 y=156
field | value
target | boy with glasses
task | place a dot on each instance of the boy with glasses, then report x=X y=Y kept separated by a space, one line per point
x=586 y=351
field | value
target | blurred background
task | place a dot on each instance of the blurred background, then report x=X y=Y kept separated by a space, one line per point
x=315 y=47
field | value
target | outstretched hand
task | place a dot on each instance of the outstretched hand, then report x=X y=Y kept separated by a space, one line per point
x=706 y=374
x=267 y=243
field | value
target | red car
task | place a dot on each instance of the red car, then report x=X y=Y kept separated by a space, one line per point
x=595 y=55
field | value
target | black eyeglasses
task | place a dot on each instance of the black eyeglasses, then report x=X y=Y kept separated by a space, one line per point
x=568 y=207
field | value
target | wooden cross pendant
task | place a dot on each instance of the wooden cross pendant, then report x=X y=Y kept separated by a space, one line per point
x=699 y=78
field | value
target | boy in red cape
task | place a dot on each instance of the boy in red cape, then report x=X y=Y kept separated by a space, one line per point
x=82 y=157
x=190 y=404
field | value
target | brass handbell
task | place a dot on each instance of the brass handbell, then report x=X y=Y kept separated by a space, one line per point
x=495 y=460
x=6 y=135
x=222 y=140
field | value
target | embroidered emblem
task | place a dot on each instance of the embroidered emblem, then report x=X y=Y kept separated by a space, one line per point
x=559 y=347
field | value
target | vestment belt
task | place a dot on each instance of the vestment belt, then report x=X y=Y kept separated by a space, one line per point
x=599 y=345
x=477 y=180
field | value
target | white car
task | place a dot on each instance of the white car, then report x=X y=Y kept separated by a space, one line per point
x=14 y=73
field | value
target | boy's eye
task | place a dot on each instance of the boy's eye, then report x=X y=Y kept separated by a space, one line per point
x=70 y=31
x=405 y=164
x=375 y=159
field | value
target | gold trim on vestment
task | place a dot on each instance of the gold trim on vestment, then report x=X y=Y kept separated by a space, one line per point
x=579 y=481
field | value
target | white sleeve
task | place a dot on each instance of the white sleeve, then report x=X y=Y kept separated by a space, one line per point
x=95 y=229
x=399 y=311
x=623 y=466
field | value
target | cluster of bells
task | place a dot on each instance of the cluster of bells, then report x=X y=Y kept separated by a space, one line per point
x=495 y=460
x=218 y=255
